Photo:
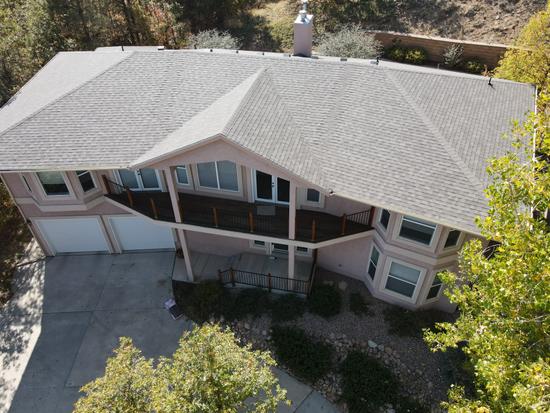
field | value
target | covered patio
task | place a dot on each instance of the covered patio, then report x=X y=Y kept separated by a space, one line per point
x=260 y=270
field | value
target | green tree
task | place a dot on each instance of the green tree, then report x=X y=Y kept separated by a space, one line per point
x=529 y=60
x=350 y=41
x=212 y=39
x=211 y=372
x=504 y=300
x=125 y=387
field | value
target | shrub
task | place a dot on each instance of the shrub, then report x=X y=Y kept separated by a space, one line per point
x=325 y=300
x=287 y=307
x=366 y=383
x=350 y=41
x=248 y=301
x=212 y=39
x=358 y=305
x=282 y=32
x=396 y=53
x=474 y=66
x=416 y=56
x=306 y=357
x=452 y=55
x=405 y=323
x=205 y=299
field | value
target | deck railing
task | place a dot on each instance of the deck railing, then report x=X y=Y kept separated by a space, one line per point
x=270 y=282
x=239 y=216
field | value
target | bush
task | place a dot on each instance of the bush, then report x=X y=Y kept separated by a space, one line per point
x=366 y=383
x=247 y=302
x=325 y=300
x=351 y=41
x=212 y=39
x=306 y=357
x=405 y=323
x=358 y=305
x=287 y=307
x=416 y=56
x=452 y=56
x=205 y=300
x=396 y=53
x=474 y=66
x=282 y=32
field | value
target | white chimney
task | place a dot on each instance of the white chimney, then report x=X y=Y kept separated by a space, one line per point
x=303 y=32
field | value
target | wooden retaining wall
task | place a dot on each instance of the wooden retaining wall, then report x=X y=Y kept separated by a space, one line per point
x=488 y=54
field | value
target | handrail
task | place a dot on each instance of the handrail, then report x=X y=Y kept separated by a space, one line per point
x=271 y=282
x=361 y=217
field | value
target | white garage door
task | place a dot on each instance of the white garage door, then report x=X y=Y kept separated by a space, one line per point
x=135 y=233
x=73 y=235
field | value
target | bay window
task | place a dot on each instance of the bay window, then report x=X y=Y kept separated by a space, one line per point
x=373 y=262
x=402 y=279
x=313 y=195
x=452 y=238
x=417 y=230
x=218 y=175
x=435 y=288
x=86 y=180
x=53 y=183
x=384 y=218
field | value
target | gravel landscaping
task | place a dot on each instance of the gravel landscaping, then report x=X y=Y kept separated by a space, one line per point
x=424 y=376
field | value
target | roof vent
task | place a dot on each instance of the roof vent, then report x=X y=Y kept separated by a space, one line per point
x=303 y=32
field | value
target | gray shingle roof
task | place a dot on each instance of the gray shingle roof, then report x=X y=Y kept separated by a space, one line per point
x=414 y=141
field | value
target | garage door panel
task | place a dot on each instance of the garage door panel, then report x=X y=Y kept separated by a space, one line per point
x=74 y=235
x=134 y=233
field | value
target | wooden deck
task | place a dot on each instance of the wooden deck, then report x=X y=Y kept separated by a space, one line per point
x=233 y=215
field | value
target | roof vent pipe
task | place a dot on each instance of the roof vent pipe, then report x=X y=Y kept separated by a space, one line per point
x=303 y=32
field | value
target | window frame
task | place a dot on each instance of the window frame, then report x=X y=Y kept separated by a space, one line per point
x=369 y=277
x=66 y=180
x=91 y=176
x=459 y=240
x=379 y=219
x=419 y=244
x=218 y=189
x=187 y=173
x=441 y=285
x=26 y=184
x=419 y=282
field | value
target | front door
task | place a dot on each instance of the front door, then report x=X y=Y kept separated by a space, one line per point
x=271 y=188
x=140 y=180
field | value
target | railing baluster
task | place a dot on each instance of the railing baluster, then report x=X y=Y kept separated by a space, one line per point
x=106 y=184
x=313 y=230
x=343 y=224
x=154 y=208
x=251 y=221
x=215 y=214
x=180 y=207
x=130 y=197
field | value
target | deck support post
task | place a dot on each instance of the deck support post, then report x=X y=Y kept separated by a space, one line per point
x=106 y=184
x=154 y=208
x=251 y=221
x=371 y=215
x=313 y=230
x=232 y=276
x=343 y=225
x=292 y=211
x=291 y=266
x=176 y=207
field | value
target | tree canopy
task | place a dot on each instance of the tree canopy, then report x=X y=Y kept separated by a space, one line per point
x=504 y=300
x=529 y=60
x=209 y=372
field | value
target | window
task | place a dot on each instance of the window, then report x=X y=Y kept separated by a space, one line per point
x=402 y=279
x=26 y=183
x=279 y=248
x=313 y=195
x=385 y=218
x=258 y=244
x=218 y=175
x=435 y=288
x=373 y=262
x=417 y=230
x=302 y=250
x=452 y=238
x=53 y=183
x=86 y=180
x=181 y=175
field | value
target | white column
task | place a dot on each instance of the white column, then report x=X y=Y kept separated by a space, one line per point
x=292 y=211
x=174 y=197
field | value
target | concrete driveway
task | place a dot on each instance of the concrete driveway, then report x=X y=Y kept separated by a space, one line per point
x=67 y=315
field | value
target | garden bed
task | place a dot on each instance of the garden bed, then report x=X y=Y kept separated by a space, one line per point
x=360 y=323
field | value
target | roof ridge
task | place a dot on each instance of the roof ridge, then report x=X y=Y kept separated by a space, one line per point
x=437 y=133
x=36 y=112
x=265 y=74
